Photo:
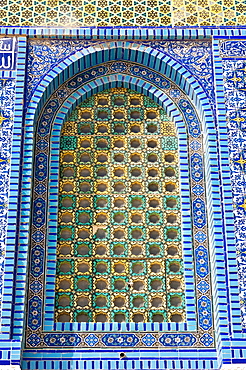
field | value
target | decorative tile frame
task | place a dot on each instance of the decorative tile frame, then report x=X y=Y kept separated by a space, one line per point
x=69 y=95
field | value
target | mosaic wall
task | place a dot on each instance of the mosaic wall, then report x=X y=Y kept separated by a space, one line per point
x=48 y=342
x=234 y=82
x=127 y=13
x=7 y=94
x=119 y=221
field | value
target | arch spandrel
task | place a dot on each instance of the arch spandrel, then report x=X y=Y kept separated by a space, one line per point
x=129 y=51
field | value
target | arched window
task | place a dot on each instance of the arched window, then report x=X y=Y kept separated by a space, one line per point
x=119 y=253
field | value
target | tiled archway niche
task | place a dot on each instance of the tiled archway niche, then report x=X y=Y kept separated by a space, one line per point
x=198 y=330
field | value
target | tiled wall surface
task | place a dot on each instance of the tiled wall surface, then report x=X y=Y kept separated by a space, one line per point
x=234 y=67
x=185 y=77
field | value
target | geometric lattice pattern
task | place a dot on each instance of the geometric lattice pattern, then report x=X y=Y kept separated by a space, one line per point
x=101 y=13
x=208 y=13
x=119 y=244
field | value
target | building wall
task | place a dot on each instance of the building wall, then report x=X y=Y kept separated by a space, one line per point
x=204 y=65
